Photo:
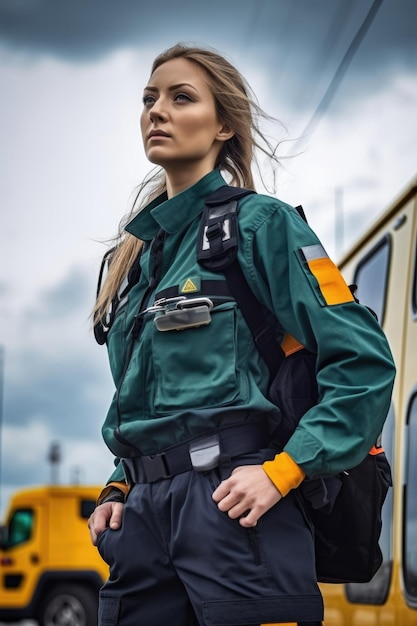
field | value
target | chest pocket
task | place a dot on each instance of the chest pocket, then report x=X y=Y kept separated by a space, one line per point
x=196 y=367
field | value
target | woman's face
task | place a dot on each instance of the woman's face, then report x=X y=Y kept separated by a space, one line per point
x=179 y=123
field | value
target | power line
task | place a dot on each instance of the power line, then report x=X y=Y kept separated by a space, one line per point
x=340 y=72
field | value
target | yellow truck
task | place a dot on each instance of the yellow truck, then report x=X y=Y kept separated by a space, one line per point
x=49 y=570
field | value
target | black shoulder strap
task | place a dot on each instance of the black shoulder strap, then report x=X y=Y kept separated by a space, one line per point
x=264 y=333
x=224 y=194
x=217 y=251
x=217 y=239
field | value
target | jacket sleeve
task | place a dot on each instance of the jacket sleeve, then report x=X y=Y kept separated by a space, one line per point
x=118 y=475
x=291 y=273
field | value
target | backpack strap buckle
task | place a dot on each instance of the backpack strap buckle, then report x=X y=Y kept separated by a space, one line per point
x=217 y=239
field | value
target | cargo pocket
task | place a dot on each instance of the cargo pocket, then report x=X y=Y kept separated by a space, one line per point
x=108 y=610
x=208 y=356
x=267 y=610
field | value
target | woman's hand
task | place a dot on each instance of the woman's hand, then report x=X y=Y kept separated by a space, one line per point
x=247 y=494
x=105 y=515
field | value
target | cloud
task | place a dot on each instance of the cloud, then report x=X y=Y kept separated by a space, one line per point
x=77 y=30
x=56 y=375
x=368 y=154
x=301 y=44
x=57 y=388
x=66 y=298
x=87 y=31
x=26 y=454
x=63 y=391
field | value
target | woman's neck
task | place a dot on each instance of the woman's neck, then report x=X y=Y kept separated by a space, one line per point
x=183 y=178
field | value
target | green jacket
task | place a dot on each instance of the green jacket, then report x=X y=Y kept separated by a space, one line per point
x=180 y=384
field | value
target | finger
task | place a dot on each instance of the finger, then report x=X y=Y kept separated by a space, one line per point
x=221 y=492
x=116 y=515
x=98 y=521
x=227 y=503
x=93 y=534
x=250 y=519
x=239 y=511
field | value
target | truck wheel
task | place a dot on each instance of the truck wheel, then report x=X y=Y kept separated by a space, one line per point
x=69 y=605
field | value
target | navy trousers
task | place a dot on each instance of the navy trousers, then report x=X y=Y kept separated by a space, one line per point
x=179 y=561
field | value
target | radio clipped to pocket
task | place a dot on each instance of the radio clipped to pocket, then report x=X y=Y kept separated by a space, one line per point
x=181 y=313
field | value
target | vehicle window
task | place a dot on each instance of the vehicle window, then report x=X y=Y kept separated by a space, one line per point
x=86 y=508
x=376 y=591
x=20 y=527
x=410 y=507
x=371 y=277
x=414 y=303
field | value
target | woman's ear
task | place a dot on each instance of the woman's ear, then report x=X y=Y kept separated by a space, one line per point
x=225 y=133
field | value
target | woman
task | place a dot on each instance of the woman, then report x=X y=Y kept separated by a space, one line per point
x=201 y=521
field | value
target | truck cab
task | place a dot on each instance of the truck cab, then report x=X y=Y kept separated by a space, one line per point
x=50 y=571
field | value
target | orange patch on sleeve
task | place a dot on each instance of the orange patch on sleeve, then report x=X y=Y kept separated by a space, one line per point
x=330 y=280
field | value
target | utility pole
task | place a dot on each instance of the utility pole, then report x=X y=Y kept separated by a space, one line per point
x=54 y=458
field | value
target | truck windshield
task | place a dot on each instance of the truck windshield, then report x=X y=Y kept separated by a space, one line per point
x=20 y=528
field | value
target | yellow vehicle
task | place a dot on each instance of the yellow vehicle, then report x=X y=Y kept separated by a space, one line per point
x=383 y=264
x=50 y=571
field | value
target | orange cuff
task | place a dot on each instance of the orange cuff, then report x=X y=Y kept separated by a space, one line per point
x=116 y=485
x=284 y=473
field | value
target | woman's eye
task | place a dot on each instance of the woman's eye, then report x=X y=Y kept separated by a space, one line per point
x=148 y=101
x=182 y=96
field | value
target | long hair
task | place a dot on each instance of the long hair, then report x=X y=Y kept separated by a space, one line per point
x=236 y=107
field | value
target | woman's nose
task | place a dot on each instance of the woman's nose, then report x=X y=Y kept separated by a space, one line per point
x=157 y=112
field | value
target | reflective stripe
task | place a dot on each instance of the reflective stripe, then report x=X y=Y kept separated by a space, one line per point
x=331 y=283
x=314 y=252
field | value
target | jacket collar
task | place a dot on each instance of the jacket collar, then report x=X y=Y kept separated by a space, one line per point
x=175 y=213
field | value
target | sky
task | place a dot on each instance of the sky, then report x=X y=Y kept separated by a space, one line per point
x=339 y=75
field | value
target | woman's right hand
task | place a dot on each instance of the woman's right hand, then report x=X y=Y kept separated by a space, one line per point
x=105 y=515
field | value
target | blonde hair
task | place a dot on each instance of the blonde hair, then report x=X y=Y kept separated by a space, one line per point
x=237 y=108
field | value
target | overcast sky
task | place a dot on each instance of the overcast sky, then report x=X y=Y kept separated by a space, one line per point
x=71 y=78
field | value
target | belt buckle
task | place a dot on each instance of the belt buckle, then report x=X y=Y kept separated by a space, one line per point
x=155 y=467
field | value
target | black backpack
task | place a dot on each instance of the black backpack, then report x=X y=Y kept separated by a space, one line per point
x=345 y=509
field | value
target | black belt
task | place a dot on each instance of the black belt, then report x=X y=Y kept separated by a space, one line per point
x=201 y=454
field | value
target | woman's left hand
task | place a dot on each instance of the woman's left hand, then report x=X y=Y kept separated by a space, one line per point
x=247 y=494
